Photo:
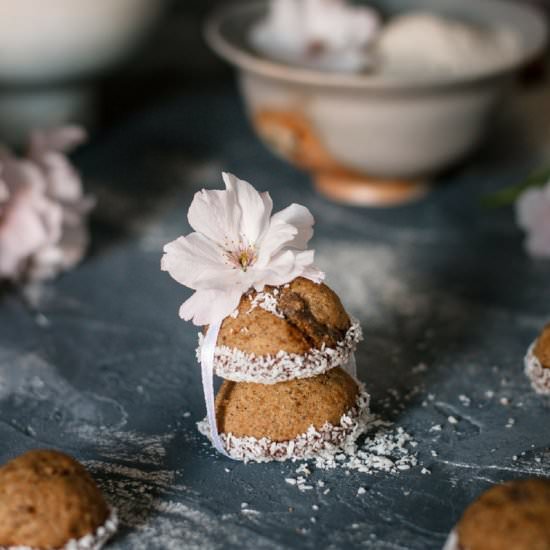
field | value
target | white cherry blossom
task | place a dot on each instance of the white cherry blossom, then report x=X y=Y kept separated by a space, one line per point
x=237 y=245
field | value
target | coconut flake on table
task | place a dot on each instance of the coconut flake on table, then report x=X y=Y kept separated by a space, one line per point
x=326 y=35
x=384 y=449
x=423 y=45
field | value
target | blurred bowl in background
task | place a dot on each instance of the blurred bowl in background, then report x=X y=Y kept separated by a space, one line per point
x=368 y=138
x=50 y=50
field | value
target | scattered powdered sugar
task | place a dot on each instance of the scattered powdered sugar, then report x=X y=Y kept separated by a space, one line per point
x=377 y=276
x=239 y=366
x=93 y=541
x=327 y=440
x=127 y=445
x=267 y=301
x=537 y=374
x=155 y=511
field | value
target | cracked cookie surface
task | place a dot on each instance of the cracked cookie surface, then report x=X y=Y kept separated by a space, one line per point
x=310 y=316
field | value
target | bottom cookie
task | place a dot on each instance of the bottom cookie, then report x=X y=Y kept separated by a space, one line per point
x=329 y=439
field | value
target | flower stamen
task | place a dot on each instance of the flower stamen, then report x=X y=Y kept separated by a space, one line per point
x=243 y=257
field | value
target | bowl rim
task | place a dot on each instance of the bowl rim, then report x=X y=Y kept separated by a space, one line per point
x=256 y=64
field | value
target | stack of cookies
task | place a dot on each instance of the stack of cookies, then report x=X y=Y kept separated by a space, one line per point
x=287 y=357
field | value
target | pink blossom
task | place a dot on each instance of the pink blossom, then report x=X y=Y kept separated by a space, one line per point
x=42 y=208
x=533 y=216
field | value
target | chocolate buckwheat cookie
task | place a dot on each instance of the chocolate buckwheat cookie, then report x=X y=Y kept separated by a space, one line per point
x=297 y=330
x=48 y=499
x=511 y=516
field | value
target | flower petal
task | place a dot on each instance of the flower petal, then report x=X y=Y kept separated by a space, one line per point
x=309 y=271
x=301 y=218
x=214 y=214
x=530 y=206
x=208 y=306
x=533 y=216
x=277 y=236
x=286 y=266
x=255 y=208
x=61 y=139
x=193 y=261
x=30 y=223
x=239 y=215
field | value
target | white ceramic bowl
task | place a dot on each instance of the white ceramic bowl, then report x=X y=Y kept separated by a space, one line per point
x=372 y=139
x=48 y=47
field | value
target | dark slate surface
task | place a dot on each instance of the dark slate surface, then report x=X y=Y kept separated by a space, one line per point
x=99 y=365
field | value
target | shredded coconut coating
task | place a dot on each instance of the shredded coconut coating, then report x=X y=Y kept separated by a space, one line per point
x=239 y=366
x=93 y=541
x=328 y=440
x=537 y=374
x=266 y=301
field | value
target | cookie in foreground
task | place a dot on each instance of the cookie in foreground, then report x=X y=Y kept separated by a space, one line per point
x=510 y=516
x=49 y=501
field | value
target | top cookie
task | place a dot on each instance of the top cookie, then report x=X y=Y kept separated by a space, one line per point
x=297 y=330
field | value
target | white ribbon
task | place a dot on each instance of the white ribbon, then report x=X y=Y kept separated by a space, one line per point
x=452 y=541
x=351 y=366
x=208 y=349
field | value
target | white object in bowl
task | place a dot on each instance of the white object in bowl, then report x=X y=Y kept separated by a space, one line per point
x=376 y=125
